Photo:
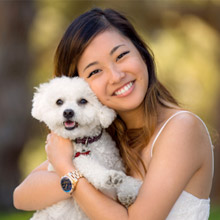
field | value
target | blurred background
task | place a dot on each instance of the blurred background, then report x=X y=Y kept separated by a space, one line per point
x=183 y=34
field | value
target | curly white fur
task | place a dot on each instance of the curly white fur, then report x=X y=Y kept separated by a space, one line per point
x=103 y=167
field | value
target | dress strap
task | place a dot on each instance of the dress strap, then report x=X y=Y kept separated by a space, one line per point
x=177 y=113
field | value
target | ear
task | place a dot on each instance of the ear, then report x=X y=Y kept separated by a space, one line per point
x=38 y=101
x=106 y=116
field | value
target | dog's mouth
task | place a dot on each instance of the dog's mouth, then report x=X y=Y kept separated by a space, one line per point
x=70 y=125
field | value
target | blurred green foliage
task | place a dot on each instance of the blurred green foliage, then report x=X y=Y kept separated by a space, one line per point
x=214 y=213
x=188 y=63
x=15 y=215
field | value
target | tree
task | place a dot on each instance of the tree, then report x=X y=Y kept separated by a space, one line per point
x=15 y=59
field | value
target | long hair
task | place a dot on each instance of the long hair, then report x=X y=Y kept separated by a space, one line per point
x=76 y=38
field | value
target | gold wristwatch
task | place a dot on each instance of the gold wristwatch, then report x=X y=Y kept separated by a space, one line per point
x=70 y=180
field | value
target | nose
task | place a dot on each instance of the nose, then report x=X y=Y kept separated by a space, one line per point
x=115 y=75
x=68 y=113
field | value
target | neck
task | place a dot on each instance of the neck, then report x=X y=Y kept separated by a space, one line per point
x=137 y=118
x=133 y=119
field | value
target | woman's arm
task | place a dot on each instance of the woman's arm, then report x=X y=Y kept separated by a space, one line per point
x=179 y=154
x=40 y=189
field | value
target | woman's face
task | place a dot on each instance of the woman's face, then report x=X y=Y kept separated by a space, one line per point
x=115 y=71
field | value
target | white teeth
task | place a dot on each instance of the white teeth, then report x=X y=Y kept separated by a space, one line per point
x=124 y=89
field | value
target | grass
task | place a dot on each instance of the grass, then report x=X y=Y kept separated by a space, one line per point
x=214 y=214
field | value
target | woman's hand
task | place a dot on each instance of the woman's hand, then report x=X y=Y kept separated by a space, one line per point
x=59 y=153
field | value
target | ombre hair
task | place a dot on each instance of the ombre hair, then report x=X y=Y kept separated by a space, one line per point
x=76 y=38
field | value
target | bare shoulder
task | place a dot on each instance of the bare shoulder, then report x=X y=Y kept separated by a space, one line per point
x=186 y=133
x=189 y=126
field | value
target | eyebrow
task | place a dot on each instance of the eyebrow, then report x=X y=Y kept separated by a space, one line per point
x=115 y=48
x=91 y=64
x=111 y=52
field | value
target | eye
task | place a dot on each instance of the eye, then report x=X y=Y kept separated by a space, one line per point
x=121 y=55
x=94 y=72
x=83 y=101
x=59 y=102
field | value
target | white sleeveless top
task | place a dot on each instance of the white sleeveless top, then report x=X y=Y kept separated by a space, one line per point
x=188 y=206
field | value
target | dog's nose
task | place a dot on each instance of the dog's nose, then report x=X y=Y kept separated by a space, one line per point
x=68 y=113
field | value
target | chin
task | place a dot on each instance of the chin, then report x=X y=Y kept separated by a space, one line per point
x=129 y=106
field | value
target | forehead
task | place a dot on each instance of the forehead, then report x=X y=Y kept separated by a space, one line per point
x=108 y=37
x=103 y=44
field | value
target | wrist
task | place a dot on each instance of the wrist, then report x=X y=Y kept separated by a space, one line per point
x=69 y=181
x=63 y=170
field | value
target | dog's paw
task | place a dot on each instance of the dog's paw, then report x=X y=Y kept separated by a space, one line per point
x=126 y=200
x=127 y=192
x=114 y=178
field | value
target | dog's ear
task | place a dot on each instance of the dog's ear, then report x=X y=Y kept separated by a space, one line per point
x=38 y=102
x=106 y=116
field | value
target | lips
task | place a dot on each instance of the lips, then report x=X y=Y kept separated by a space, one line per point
x=125 y=89
x=70 y=125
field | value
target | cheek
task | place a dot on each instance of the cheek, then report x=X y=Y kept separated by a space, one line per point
x=98 y=89
x=137 y=66
x=145 y=77
x=143 y=74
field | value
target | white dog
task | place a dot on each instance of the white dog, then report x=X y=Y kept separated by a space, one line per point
x=70 y=109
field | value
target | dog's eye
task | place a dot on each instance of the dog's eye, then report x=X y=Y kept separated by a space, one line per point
x=59 y=102
x=83 y=101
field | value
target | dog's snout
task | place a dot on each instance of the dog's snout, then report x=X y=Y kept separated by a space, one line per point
x=68 y=113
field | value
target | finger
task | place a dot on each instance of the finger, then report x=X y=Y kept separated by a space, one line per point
x=48 y=138
x=46 y=148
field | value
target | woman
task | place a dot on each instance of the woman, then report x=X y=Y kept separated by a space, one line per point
x=170 y=149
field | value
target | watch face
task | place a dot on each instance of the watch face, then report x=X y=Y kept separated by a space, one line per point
x=66 y=184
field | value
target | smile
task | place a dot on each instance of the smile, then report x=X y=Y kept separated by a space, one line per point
x=125 y=90
x=70 y=125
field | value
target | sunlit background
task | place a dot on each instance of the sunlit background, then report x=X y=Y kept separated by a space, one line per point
x=183 y=34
